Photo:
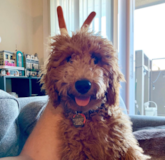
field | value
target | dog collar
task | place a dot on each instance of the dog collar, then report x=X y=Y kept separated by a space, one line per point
x=79 y=119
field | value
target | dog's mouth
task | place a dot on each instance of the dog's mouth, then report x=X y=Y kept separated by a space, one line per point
x=82 y=101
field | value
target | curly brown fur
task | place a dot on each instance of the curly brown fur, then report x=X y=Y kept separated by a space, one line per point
x=107 y=133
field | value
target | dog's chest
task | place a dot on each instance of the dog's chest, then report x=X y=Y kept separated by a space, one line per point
x=88 y=142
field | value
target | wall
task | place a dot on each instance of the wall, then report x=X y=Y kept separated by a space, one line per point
x=16 y=25
x=37 y=20
x=23 y=25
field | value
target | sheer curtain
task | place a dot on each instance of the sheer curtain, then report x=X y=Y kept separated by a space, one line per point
x=69 y=12
x=76 y=11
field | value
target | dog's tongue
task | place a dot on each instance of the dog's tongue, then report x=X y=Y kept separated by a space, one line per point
x=81 y=101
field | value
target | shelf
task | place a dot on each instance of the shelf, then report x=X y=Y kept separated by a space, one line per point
x=18 y=77
x=32 y=59
x=23 y=86
x=12 y=67
x=35 y=77
x=33 y=70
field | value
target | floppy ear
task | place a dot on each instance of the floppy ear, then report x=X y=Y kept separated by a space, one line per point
x=50 y=87
x=113 y=89
x=53 y=94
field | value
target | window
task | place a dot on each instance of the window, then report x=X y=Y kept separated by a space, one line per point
x=150 y=60
x=7 y=56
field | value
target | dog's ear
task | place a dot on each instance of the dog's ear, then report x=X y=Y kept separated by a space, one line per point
x=53 y=93
x=113 y=89
x=50 y=87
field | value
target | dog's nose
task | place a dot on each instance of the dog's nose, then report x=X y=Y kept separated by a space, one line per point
x=83 y=86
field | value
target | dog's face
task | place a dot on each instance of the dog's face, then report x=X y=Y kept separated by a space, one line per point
x=82 y=72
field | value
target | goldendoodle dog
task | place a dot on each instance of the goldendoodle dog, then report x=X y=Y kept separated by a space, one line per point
x=84 y=77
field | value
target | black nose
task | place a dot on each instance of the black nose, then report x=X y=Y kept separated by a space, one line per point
x=83 y=86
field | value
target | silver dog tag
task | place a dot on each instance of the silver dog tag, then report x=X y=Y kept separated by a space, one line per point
x=79 y=120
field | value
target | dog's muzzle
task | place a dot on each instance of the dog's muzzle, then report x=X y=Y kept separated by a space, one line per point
x=82 y=87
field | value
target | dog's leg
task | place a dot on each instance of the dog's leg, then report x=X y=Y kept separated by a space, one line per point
x=135 y=153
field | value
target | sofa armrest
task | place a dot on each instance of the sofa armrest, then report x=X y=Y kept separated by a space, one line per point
x=9 y=131
x=24 y=101
x=146 y=122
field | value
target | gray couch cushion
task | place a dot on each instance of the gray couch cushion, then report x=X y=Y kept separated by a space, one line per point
x=144 y=122
x=9 y=131
x=5 y=95
x=26 y=100
x=29 y=115
x=17 y=121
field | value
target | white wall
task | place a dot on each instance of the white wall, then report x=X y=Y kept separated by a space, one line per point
x=22 y=24
x=37 y=20
x=16 y=25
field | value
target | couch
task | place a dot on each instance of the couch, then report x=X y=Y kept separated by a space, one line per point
x=18 y=116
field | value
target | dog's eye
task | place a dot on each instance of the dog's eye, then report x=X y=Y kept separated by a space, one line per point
x=96 y=59
x=68 y=59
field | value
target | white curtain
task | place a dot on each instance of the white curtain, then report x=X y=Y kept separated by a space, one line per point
x=76 y=11
x=68 y=9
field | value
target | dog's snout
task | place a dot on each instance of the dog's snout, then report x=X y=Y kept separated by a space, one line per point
x=83 y=86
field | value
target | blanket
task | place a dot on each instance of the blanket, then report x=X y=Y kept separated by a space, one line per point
x=153 y=142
